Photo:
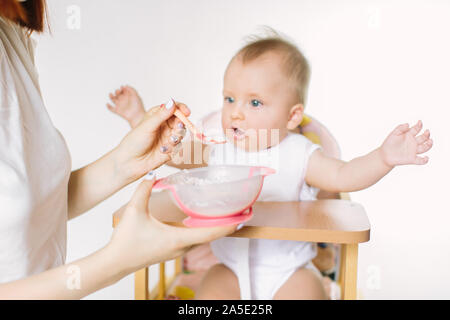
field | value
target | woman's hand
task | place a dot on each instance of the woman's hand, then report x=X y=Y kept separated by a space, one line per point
x=403 y=146
x=152 y=142
x=139 y=240
x=145 y=148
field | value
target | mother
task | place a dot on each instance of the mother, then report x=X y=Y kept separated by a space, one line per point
x=39 y=193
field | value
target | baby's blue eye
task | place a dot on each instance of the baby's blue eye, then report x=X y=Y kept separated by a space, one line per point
x=256 y=103
x=229 y=99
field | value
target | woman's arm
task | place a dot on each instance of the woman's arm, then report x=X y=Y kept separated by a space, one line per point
x=72 y=281
x=400 y=147
x=97 y=181
x=139 y=240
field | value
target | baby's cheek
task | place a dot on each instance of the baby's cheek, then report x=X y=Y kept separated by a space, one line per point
x=225 y=118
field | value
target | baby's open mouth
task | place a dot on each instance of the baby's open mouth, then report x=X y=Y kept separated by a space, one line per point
x=238 y=133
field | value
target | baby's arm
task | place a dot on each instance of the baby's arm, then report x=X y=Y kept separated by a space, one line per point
x=127 y=104
x=401 y=147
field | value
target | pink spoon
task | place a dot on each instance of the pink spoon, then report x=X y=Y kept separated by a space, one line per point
x=197 y=133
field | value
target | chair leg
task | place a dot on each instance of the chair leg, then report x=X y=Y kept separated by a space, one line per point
x=141 y=284
x=348 y=271
x=162 y=281
x=178 y=265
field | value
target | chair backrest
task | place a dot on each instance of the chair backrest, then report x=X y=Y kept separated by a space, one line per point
x=318 y=133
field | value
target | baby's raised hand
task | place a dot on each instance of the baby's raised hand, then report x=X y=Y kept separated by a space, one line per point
x=127 y=104
x=404 y=145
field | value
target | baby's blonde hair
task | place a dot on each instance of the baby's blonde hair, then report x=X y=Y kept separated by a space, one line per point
x=295 y=65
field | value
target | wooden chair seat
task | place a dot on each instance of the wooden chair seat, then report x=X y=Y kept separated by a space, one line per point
x=330 y=221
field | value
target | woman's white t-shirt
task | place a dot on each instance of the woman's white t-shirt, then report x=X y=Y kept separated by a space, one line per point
x=35 y=166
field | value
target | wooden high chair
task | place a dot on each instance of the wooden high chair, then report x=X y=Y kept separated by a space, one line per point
x=337 y=220
x=331 y=221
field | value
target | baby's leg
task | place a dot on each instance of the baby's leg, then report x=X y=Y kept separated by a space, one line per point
x=219 y=283
x=304 y=284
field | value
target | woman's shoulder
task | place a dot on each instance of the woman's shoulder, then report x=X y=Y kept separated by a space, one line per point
x=15 y=38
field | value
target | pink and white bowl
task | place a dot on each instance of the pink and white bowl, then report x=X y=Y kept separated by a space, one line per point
x=215 y=195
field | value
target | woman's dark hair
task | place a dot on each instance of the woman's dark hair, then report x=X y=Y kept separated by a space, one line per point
x=29 y=14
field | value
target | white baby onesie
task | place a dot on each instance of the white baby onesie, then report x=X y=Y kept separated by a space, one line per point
x=271 y=262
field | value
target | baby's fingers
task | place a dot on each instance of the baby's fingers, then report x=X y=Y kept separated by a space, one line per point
x=110 y=108
x=401 y=129
x=130 y=90
x=424 y=137
x=416 y=129
x=424 y=147
x=113 y=98
x=420 y=160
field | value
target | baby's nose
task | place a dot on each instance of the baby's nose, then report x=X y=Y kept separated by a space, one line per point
x=237 y=112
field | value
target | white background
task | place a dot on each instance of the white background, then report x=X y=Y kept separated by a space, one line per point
x=375 y=64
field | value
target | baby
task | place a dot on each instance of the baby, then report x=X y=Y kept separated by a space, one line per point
x=265 y=87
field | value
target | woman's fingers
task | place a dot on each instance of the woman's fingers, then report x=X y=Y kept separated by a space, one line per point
x=167 y=139
x=141 y=196
x=183 y=108
x=156 y=116
x=170 y=144
x=161 y=117
x=176 y=134
x=176 y=150
x=177 y=127
x=175 y=139
x=175 y=123
x=193 y=236
x=155 y=126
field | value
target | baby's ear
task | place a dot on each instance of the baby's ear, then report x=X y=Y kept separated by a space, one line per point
x=295 y=116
